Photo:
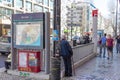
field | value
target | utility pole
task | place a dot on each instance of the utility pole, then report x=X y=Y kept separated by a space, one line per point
x=71 y=18
x=71 y=23
x=55 y=59
x=116 y=19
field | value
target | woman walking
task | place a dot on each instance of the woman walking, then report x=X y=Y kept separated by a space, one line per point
x=109 y=44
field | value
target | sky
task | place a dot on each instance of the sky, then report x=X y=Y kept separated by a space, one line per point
x=105 y=6
x=102 y=6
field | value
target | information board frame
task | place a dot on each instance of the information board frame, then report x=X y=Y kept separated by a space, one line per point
x=28 y=19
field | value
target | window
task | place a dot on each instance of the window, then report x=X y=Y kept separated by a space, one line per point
x=28 y=6
x=19 y=4
x=46 y=2
x=7 y=2
x=51 y=3
x=9 y=12
x=51 y=23
x=10 y=3
x=38 y=8
x=46 y=9
x=39 y=1
x=1 y=12
x=51 y=13
x=5 y=13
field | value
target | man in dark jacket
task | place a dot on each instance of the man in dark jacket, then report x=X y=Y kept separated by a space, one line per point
x=66 y=53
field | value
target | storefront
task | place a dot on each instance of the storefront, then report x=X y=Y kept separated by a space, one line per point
x=5 y=27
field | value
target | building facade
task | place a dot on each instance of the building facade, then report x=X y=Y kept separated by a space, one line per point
x=9 y=7
x=79 y=17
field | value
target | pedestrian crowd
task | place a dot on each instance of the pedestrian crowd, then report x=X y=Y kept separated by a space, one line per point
x=106 y=44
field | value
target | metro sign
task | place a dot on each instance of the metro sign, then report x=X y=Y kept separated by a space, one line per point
x=95 y=13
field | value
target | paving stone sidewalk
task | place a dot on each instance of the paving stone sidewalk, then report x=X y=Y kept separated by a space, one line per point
x=5 y=76
x=99 y=68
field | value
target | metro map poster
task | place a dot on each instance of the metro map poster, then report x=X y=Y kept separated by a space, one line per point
x=28 y=30
x=28 y=34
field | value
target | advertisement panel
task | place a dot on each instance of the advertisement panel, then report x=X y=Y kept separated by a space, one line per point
x=29 y=61
x=23 y=59
x=29 y=30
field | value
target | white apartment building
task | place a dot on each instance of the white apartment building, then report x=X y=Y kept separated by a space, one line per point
x=80 y=15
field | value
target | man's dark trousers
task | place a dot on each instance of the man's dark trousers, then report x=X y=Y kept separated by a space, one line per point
x=68 y=66
x=7 y=64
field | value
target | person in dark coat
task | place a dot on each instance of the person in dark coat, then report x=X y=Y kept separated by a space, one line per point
x=66 y=53
x=87 y=39
x=118 y=44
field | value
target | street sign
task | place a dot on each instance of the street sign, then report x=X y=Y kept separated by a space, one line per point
x=55 y=35
x=95 y=13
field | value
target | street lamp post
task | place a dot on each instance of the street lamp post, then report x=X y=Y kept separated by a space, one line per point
x=116 y=19
x=71 y=31
x=71 y=22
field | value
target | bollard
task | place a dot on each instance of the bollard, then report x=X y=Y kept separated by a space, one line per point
x=55 y=68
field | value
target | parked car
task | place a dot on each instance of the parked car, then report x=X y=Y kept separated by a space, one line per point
x=5 y=45
x=82 y=40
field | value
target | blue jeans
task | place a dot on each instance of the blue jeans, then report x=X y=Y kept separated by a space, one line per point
x=117 y=47
x=102 y=49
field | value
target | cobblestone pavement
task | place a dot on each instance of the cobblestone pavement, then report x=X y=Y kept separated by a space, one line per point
x=99 y=69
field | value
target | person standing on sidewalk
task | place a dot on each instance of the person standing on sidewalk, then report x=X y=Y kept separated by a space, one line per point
x=66 y=53
x=8 y=62
x=99 y=45
x=110 y=44
x=103 y=46
x=118 y=44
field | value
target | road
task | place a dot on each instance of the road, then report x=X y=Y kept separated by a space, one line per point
x=2 y=59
